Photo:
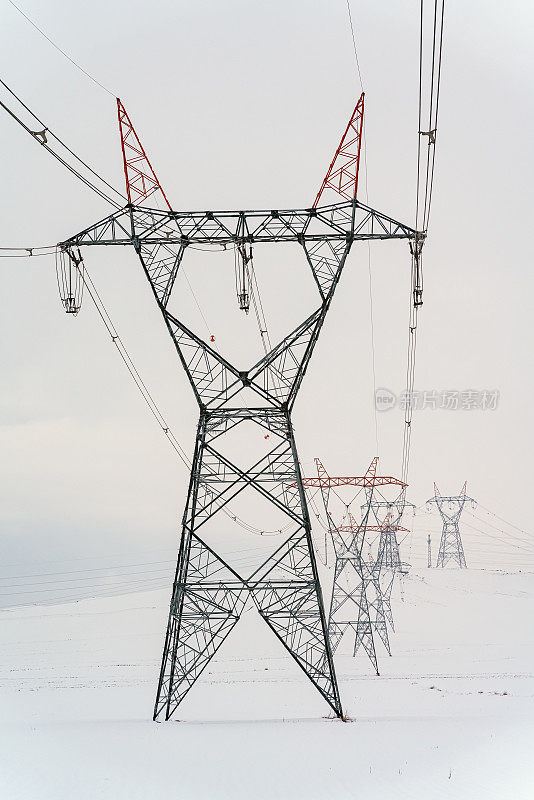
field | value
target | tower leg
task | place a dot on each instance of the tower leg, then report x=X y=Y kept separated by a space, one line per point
x=364 y=629
x=337 y=626
x=288 y=596
x=386 y=587
x=203 y=612
x=450 y=547
x=349 y=607
x=377 y=605
x=389 y=550
x=209 y=596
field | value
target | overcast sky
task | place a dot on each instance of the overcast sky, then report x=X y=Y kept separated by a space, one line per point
x=242 y=104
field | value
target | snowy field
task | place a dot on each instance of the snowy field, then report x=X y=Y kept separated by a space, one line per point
x=450 y=717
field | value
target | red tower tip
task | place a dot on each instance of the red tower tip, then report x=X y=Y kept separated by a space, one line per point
x=141 y=180
x=342 y=175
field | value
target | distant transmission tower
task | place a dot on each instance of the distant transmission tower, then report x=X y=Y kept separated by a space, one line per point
x=450 y=508
x=357 y=602
x=429 y=543
x=208 y=594
x=388 y=558
x=390 y=525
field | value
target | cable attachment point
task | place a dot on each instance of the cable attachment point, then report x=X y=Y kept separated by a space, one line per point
x=431 y=136
x=243 y=275
x=70 y=277
x=40 y=136
x=416 y=248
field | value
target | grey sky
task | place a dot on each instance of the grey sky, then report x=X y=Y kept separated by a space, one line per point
x=242 y=104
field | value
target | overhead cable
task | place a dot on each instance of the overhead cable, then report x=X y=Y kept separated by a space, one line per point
x=41 y=136
x=59 y=49
x=425 y=164
x=371 y=314
x=149 y=400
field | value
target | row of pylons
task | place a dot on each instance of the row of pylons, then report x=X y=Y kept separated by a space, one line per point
x=363 y=583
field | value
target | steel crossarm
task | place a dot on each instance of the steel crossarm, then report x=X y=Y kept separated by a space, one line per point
x=133 y=225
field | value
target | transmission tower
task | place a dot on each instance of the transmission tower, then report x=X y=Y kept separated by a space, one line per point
x=357 y=601
x=388 y=557
x=208 y=594
x=450 y=509
x=429 y=545
x=388 y=548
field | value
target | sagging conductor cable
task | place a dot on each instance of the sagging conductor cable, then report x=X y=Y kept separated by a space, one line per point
x=425 y=165
x=41 y=135
x=149 y=400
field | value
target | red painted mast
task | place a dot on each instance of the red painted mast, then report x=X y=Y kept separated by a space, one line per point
x=141 y=180
x=342 y=175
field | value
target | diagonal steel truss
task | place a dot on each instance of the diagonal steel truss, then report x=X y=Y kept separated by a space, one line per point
x=450 y=509
x=208 y=595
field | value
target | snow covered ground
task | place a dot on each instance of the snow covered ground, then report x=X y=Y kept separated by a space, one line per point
x=450 y=717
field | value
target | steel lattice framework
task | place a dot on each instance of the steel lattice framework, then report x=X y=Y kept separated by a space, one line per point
x=389 y=525
x=208 y=594
x=388 y=557
x=450 y=509
x=358 y=602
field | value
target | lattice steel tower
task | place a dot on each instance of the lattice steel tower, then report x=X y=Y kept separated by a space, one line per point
x=208 y=593
x=389 y=525
x=357 y=601
x=450 y=509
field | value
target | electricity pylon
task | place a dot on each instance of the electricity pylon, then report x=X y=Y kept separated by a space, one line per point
x=208 y=594
x=357 y=601
x=388 y=547
x=450 y=509
x=429 y=548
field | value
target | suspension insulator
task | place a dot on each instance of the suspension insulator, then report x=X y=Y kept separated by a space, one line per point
x=70 y=279
x=244 y=301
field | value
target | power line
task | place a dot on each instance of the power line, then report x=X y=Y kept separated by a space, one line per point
x=26 y=252
x=434 y=104
x=491 y=536
x=171 y=562
x=149 y=400
x=529 y=541
x=196 y=300
x=371 y=314
x=417 y=245
x=528 y=535
x=410 y=375
x=58 y=48
x=130 y=366
x=354 y=45
x=62 y=143
x=101 y=580
x=41 y=137
x=121 y=584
